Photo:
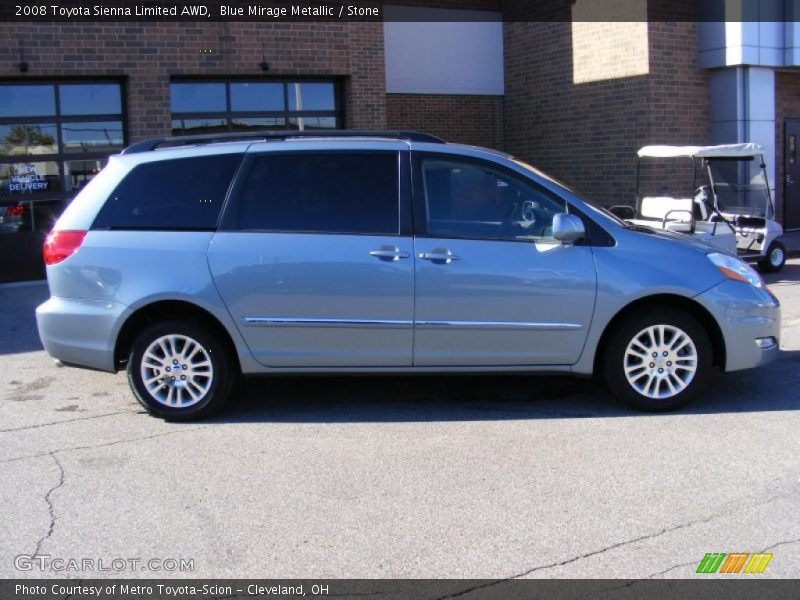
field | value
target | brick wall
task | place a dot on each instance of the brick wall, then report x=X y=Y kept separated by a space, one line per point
x=476 y=120
x=787 y=106
x=145 y=55
x=587 y=133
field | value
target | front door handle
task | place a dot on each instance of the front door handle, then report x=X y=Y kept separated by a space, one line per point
x=389 y=253
x=439 y=255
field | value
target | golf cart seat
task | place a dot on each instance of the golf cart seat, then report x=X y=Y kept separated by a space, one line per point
x=674 y=214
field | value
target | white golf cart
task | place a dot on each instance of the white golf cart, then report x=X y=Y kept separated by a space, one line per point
x=731 y=210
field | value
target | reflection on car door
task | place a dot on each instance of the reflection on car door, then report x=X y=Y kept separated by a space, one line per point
x=311 y=264
x=492 y=286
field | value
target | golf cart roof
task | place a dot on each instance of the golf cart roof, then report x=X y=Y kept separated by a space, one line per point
x=746 y=150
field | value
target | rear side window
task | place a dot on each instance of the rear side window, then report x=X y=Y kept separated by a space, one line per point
x=186 y=193
x=353 y=193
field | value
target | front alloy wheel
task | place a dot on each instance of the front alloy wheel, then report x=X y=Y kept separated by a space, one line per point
x=658 y=359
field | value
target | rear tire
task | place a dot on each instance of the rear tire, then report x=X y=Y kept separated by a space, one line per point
x=658 y=359
x=774 y=259
x=180 y=372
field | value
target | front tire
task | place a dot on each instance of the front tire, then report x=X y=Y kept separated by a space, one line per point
x=774 y=259
x=658 y=359
x=179 y=371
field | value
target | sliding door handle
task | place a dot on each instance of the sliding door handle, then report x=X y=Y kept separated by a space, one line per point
x=390 y=253
x=439 y=255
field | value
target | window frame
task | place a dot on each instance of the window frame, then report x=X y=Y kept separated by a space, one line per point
x=229 y=115
x=421 y=206
x=61 y=157
x=241 y=156
x=228 y=220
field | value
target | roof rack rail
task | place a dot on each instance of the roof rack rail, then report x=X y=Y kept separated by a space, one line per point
x=184 y=140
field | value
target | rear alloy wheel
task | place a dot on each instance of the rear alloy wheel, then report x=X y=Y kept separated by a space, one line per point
x=658 y=359
x=179 y=371
x=775 y=258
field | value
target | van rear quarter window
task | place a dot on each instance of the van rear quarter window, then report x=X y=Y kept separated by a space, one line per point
x=178 y=194
x=342 y=192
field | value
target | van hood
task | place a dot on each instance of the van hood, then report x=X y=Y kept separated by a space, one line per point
x=678 y=238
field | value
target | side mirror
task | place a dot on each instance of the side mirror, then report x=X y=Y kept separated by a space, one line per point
x=568 y=228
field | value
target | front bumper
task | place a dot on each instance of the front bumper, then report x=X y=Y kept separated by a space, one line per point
x=80 y=332
x=748 y=318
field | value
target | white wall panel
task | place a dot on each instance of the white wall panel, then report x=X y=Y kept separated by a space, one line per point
x=458 y=56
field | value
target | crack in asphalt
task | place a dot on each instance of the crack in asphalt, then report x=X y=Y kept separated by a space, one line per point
x=78 y=582
x=694 y=562
x=784 y=543
x=689 y=564
x=648 y=536
x=672 y=568
x=103 y=445
x=121 y=412
x=50 y=508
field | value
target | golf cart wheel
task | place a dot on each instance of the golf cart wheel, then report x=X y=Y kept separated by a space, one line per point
x=179 y=371
x=774 y=259
x=658 y=359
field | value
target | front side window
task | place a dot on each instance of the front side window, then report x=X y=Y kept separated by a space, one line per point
x=180 y=194
x=354 y=193
x=468 y=200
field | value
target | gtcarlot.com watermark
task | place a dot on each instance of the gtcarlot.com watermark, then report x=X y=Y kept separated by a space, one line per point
x=56 y=564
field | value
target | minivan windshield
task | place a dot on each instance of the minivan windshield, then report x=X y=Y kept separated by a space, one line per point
x=589 y=203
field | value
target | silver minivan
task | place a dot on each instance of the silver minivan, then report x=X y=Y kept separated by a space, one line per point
x=193 y=261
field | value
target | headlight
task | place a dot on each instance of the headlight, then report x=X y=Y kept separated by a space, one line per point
x=736 y=269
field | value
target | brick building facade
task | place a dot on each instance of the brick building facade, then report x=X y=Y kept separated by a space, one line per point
x=576 y=99
x=147 y=56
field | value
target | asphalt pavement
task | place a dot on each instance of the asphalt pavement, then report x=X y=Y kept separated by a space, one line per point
x=479 y=477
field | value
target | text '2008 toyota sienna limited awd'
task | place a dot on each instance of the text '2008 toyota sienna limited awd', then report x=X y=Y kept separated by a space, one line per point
x=192 y=262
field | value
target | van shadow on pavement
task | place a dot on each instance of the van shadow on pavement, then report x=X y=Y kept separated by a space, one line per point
x=428 y=398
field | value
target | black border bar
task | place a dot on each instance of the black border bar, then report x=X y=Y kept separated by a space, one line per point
x=707 y=587
x=276 y=11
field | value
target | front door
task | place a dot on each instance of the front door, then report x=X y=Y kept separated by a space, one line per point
x=791 y=185
x=311 y=263
x=493 y=288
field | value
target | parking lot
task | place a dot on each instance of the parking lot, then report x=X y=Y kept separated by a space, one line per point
x=494 y=477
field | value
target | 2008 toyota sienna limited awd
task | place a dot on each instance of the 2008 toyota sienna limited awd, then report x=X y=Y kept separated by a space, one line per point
x=191 y=262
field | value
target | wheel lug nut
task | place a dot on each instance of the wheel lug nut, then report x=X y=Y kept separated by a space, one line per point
x=183 y=377
x=669 y=363
x=175 y=362
x=185 y=367
x=665 y=352
x=173 y=378
x=168 y=369
x=652 y=365
x=655 y=354
x=660 y=371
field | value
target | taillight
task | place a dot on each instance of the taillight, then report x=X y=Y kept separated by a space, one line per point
x=60 y=245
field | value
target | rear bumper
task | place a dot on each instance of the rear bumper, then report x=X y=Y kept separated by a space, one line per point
x=750 y=320
x=80 y=332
